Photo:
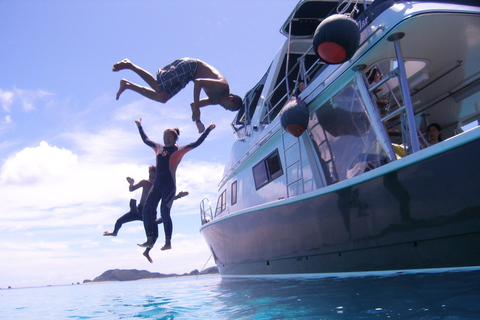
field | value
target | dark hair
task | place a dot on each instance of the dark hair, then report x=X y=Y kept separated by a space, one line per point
x=151 y=168
x=236 y=103
x=175 y=131
x=439 y=129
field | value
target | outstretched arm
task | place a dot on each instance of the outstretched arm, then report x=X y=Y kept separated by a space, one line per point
x=133 y=186
x=208 y=85
x=200 y=139
x=177 y=156
x=145 y=138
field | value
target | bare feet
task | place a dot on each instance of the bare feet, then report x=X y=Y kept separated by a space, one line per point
x=123 y=86
x=149 y=244
x=106 y=233
x=182 y=194
x=146 y=253
x=145 y=245
x=167 y=246
x=121 y=65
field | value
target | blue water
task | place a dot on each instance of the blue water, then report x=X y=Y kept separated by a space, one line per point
x=442 y=295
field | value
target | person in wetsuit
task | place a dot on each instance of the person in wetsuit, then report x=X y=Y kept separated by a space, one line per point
x=174 y=77
x=135 y=213
x=168 y=157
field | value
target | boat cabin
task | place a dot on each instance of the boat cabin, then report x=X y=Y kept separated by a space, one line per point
x=411 y=70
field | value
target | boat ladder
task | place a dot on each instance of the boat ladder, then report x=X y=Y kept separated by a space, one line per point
x=293 y=164
x=409 y=130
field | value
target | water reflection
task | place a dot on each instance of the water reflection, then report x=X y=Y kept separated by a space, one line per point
x=452 y=295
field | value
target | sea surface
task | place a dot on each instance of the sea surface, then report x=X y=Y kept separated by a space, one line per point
x=405 y=295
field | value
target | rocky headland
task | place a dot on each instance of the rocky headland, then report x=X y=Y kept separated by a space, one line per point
x=134 y=274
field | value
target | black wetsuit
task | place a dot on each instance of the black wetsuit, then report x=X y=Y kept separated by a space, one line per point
x=133 y=215
x=164 y=187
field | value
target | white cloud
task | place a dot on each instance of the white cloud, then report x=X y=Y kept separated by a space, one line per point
x=26 y=98
x=59 y=197
x=6 y=99
x=38 y=262
x=56 y=204
x=49 y=182
x=201 y=180
x=106 y=146
x=32 y=165
x=7 y=119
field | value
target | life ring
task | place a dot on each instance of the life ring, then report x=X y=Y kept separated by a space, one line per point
x=336 y=39
x=294 y=117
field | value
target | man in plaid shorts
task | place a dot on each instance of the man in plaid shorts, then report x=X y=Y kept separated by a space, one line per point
x=174 y=77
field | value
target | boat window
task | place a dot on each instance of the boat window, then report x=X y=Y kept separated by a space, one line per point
x=469 y=113
x=221 y=203
x=267 y=170
x=440 y=94
x=470 y=125
x=385 y=84
x=234 y=192
x=345 y=140
x=245 y=114
x=250 y=102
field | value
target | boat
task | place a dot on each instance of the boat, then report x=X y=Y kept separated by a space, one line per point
x=332 y=169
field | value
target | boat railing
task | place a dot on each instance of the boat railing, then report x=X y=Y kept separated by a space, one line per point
x=241 y=122
x=302 y=75
x=240 y=132
x=293 y=164
x=401 y=108
x=206 y=214
x=410 y=137
x=274 y=110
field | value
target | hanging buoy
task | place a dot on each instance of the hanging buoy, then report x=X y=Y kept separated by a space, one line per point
x=294 y=117
x=336 y=39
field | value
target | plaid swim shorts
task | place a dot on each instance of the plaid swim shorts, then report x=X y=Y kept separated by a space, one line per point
x=175 y=76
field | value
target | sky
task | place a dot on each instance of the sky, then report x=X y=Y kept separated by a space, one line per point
x=67 y=146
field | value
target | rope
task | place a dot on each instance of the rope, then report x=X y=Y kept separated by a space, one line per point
x=346 y=4
x=204 y=266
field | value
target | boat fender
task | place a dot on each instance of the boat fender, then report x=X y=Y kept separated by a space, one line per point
x=294 y=117
x=336 y=39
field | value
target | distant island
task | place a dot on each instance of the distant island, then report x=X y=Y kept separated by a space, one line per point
x=133 y=274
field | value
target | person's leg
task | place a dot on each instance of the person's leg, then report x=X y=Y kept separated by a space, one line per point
x=146 y=253
x=167 y=220
x=161 y=97
x=181 y=194
x=150 y=93
x=145 y=75
x=127 y=217
x=147 y=224
x=149 y=215
x=167 y=227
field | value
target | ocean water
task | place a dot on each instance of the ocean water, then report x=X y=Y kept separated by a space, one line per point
x=440 y=295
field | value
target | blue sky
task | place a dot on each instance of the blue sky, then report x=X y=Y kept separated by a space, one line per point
x=66 y=144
